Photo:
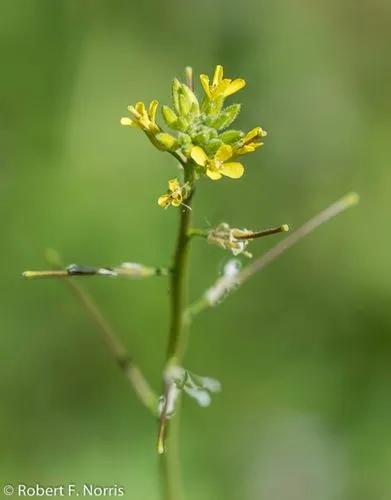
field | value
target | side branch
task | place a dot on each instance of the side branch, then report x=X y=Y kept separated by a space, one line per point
x=238 y=234
x=127 y=270
x=232 y=280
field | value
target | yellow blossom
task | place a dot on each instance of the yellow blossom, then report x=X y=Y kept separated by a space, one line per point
x=143 y=118
x=175 y=195
x=250 y=142
x=216 y=167
x=221 y=87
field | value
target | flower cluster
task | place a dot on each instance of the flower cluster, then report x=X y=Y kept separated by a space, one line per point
x=200 y=137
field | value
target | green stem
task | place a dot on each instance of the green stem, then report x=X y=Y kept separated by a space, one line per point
x=179 y=271
x=176 y=346
x=170 y=463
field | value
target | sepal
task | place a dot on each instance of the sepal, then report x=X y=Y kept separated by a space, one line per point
x=226 y=117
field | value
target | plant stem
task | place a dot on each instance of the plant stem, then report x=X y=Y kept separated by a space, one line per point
x=238 y=234
x=46 y=274
x=175 y=349
x=127 y=270
x=176 y=342
x=252 y=235
x=170 y=464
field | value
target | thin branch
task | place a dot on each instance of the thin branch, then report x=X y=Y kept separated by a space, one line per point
x=45 y=274
x=252 y=235
x=226 y=284
x=238 y=234
x=127 y=270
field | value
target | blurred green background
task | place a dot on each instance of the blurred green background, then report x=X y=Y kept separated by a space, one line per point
x=303 y=351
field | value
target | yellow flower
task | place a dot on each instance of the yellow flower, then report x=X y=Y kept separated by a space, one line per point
x=250 y=142
x=175 y=195
x=216 y=167
x=143 y=118
x=221 y=87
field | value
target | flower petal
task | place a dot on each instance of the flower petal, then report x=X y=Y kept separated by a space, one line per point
x=234 y=170
x=234 y=86
x=164 y=200
x=126 y=121
x=248 y=148
x=176 y=202
x=224 y=152
x=133 y=111
x=152 y=110
x=199 y=156
x=213 y=174
x=173 y=185
x=205 y=84
x=140 y=108
x=218 y=76
x=255 y=132
x=222 y=88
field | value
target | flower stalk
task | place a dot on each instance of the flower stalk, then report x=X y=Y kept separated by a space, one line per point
x=177 y=332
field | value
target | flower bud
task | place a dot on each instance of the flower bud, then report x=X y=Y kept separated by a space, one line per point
x=167 y=141
x=184 y=105
x=213 y=145
x=183 y=139
x=202 y=138
x=169 y=116
x=175 y=89
x=182 y=124
x=191 y=99
x=231 y=136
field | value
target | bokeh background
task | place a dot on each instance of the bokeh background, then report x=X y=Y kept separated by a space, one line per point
x=303 y=350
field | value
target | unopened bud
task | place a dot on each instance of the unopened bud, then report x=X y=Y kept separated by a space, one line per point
x=231 y=136
x=175 y=89
x=169 y=116
x=167 y=141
